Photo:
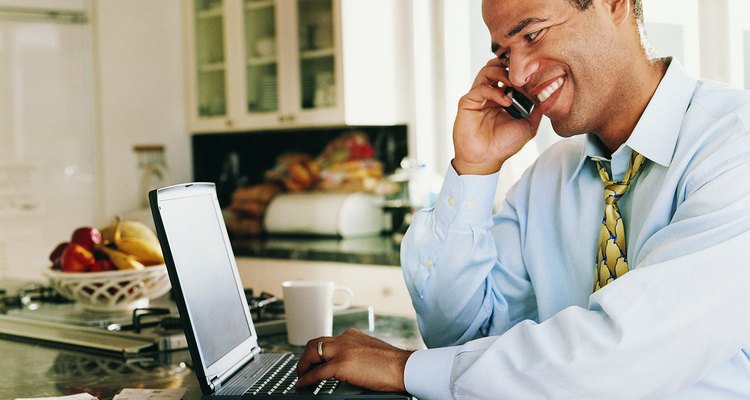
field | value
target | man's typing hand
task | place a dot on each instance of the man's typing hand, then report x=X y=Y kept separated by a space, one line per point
x=356 y=358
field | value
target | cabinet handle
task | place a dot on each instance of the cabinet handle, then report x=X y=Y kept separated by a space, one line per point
x=229 y=122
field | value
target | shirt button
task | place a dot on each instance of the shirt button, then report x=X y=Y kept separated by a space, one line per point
x=451 y=201
x=469 y=205
x=428 y=263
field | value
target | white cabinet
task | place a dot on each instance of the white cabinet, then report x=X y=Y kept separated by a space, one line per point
x=269 y=64
x=381 y=287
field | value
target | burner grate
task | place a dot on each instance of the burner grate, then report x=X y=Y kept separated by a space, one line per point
x=33 y=306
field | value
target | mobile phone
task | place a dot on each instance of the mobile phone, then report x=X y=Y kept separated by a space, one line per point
x=521 y=107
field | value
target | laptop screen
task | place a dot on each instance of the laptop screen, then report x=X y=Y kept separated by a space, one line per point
x=206 y=272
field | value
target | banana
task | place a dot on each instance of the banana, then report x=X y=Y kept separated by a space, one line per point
x=142 y=250
x=133 y=239
x=122 y=260
x=129 y=228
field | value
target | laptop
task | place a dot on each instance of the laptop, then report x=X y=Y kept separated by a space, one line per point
x=221 y=337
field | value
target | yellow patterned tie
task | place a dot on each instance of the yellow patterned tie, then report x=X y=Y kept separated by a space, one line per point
x=611 y=254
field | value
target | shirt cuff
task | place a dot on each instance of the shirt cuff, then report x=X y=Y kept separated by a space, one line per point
x=428 y=373
x=469 y=197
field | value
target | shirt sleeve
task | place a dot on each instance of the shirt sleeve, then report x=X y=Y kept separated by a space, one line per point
x=658 y=329
x=460 y=287
x=428 y=373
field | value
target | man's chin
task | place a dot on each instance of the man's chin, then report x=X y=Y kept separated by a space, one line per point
x=564 y=128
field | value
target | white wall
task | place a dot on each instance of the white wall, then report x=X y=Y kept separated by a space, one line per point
x=138 y=59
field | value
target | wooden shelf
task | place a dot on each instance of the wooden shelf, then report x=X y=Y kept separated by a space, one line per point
x=260 y=61
x=211 y=67
x=317 y=53
x=258 y=4
x=210 y=13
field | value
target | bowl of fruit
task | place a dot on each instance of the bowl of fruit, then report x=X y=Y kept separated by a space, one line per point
x=119 y=267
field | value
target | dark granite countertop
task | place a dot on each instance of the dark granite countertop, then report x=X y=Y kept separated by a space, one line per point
x=36 y=370
x=374 y=250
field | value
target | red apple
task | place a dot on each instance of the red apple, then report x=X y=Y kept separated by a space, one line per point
x=102 y=265
x=86 y=236
x=57 y=252
x=76 y=258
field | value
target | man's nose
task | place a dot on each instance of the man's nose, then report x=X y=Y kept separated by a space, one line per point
x=521 y=68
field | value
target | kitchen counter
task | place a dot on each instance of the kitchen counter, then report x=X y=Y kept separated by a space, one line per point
x=373 y=250
x=35 y=370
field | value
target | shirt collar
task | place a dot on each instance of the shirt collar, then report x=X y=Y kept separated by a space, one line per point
x=655 y=134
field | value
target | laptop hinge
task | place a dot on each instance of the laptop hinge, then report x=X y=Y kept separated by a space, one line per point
x=218 y=381
x=215 y=383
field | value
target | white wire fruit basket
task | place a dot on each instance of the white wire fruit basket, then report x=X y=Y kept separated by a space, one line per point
x=112 y=290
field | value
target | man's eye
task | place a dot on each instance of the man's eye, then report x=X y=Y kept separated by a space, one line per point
x=530 y=37
x=504 y=57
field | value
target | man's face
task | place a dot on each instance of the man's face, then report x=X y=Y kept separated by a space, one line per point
x=563 y=58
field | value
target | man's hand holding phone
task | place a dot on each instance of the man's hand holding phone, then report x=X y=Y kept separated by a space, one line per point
x=484 y=134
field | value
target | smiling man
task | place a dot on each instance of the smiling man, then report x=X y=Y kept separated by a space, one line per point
x=617 y=267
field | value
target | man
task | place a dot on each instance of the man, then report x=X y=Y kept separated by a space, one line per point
x=617 y=268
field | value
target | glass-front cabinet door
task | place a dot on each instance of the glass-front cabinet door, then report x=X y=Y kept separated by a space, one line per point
x=211 y=71
x=290 y=55
x=270 y=64
x=261 y=57
x=317 y=54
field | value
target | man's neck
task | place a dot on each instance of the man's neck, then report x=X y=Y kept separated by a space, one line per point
x=632 y=102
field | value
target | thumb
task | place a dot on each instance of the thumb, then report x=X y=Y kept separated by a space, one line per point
x=535 y=119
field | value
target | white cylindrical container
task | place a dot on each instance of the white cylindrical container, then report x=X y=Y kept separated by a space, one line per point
x=341 y=214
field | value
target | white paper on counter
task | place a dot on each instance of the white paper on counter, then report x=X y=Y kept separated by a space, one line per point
x=150 y=394
x=79 y=396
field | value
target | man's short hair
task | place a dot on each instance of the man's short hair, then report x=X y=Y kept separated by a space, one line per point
x=637 y=7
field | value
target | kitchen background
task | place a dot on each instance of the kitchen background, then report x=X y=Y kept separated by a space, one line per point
x=103 y=99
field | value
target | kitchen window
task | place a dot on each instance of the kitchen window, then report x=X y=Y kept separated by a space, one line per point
x=47 y=155
x=739 y=42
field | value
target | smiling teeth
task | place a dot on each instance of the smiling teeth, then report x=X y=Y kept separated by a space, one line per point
x=552 y=88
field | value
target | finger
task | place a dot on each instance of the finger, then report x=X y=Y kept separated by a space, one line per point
x=491 y=104
x=494 y=71
x=495 y=62
x=305 y=361
x=491 y=75
x=535 y=119
x=310 y=357
x=317 y=374
x=479 y=97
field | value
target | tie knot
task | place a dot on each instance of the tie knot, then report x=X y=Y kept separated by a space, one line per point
x=614 y=190
x=636 y=161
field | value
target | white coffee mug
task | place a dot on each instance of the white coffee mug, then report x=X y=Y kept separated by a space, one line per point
x=308 y=308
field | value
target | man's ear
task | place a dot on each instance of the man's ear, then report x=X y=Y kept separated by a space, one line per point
x=618 y=10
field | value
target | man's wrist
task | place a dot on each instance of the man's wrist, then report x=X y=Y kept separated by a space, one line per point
x=466 y=168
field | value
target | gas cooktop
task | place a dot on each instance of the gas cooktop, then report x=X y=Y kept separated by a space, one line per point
x=37 y=313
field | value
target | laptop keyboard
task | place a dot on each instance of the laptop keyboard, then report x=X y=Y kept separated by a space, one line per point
x=280 y=380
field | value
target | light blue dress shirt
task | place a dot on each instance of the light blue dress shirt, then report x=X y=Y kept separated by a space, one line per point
x=505 y=302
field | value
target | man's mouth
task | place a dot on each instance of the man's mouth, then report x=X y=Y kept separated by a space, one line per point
x=545 y=93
